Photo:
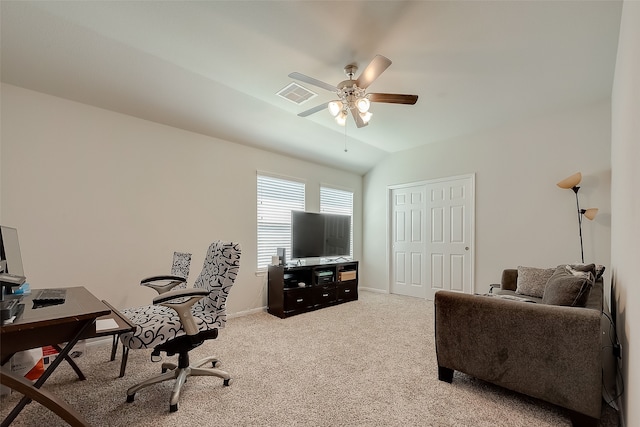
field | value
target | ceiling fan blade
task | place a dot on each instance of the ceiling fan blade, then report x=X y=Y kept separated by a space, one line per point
x=373 y=70
x=313 y=110
x=393 y=98
x=356 y=116
x=313 y=81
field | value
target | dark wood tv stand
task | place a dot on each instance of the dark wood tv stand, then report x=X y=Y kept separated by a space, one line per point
x=324 y=285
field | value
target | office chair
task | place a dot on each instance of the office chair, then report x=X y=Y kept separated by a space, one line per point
x=164 y=283
x=183 y=319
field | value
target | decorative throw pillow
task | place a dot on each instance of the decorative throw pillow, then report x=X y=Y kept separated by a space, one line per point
x=565 y=288
x=582 y=269
x=532 y=281
x=596 y=270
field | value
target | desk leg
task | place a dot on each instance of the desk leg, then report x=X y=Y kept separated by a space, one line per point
x=123 y=363
x=34 y=389
x=114 y=346
x=60 y=407
x=71 y=363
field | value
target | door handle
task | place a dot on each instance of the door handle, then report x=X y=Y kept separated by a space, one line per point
x=466 y=248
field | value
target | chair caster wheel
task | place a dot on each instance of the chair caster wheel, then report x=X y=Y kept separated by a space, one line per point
x=164 y=370
x=173 y=408
x=130 y=398
x=227 y=382
x=215 y=364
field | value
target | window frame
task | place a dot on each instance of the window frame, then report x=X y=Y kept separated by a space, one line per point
x=323 y=209
x=281 y=218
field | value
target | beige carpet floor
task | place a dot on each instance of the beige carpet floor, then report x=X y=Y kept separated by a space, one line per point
x=369 y=362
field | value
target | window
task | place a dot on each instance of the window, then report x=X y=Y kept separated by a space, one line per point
x=336 y=201
x=277 y=197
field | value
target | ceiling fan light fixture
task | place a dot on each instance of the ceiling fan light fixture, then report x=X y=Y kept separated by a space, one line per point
x=363 y=105
x=352 y=97
x=335 y=107
x=366 y=116
x=341 y=118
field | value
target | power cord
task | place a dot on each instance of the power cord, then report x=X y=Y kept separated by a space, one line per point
x=616 y=350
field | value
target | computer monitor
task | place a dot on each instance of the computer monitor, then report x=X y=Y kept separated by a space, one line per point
x=12 y=275
x=10 y=250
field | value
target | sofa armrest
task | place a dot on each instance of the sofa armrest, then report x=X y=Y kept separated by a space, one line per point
x=548 y=352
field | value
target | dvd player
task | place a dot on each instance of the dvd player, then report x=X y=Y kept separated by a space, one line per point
x=323 y=277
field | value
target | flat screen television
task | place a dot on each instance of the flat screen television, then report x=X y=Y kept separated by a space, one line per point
x=320 y=235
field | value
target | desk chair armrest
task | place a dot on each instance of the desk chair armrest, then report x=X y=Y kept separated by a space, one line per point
x=180 y=293
x=185 y=298
x=164 y=283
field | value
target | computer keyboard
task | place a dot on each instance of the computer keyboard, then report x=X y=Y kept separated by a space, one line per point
x=50 y=296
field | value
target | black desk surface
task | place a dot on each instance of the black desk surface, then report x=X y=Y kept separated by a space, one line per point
x=42 y=326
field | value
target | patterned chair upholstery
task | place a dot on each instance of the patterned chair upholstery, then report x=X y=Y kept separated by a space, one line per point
x=176 y=280
x=169 y=325
x=180 y=266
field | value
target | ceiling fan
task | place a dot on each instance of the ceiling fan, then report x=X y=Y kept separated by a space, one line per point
x=352 y=95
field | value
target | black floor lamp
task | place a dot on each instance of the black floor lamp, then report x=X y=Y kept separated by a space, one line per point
x=572 y=183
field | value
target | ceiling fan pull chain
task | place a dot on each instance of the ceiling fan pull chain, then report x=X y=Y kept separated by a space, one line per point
x=345 y=138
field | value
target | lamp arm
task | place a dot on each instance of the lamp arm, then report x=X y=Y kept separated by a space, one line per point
x=575 y=190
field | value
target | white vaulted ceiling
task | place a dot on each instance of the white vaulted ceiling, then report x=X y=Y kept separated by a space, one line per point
x=214 y=67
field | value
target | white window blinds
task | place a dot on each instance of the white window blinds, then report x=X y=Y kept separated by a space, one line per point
x=336 y=201
x=277 y=197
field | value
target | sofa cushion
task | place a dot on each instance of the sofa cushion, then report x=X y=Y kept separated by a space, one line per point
x=511 y=295
x=532 y=281
x=509 y=280
x=566 y=288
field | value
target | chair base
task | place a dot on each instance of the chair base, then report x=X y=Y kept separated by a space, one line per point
x=181 y=375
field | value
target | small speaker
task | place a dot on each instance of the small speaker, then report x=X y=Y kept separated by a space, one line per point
x=282 y=254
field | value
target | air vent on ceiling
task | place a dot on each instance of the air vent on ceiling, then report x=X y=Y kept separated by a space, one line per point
x=296 y=93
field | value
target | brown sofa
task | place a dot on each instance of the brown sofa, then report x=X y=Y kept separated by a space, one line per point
x=549 y=352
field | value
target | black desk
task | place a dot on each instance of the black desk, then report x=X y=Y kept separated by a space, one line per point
x=68 y=322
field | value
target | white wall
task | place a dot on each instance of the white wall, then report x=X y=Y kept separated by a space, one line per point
x=522 y=217
x=103 y=199
x=625 y=206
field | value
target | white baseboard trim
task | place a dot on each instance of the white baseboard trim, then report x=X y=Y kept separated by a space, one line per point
x=247 y=312
x=375 y=290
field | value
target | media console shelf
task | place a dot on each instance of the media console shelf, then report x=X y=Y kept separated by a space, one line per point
x=298 y=289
